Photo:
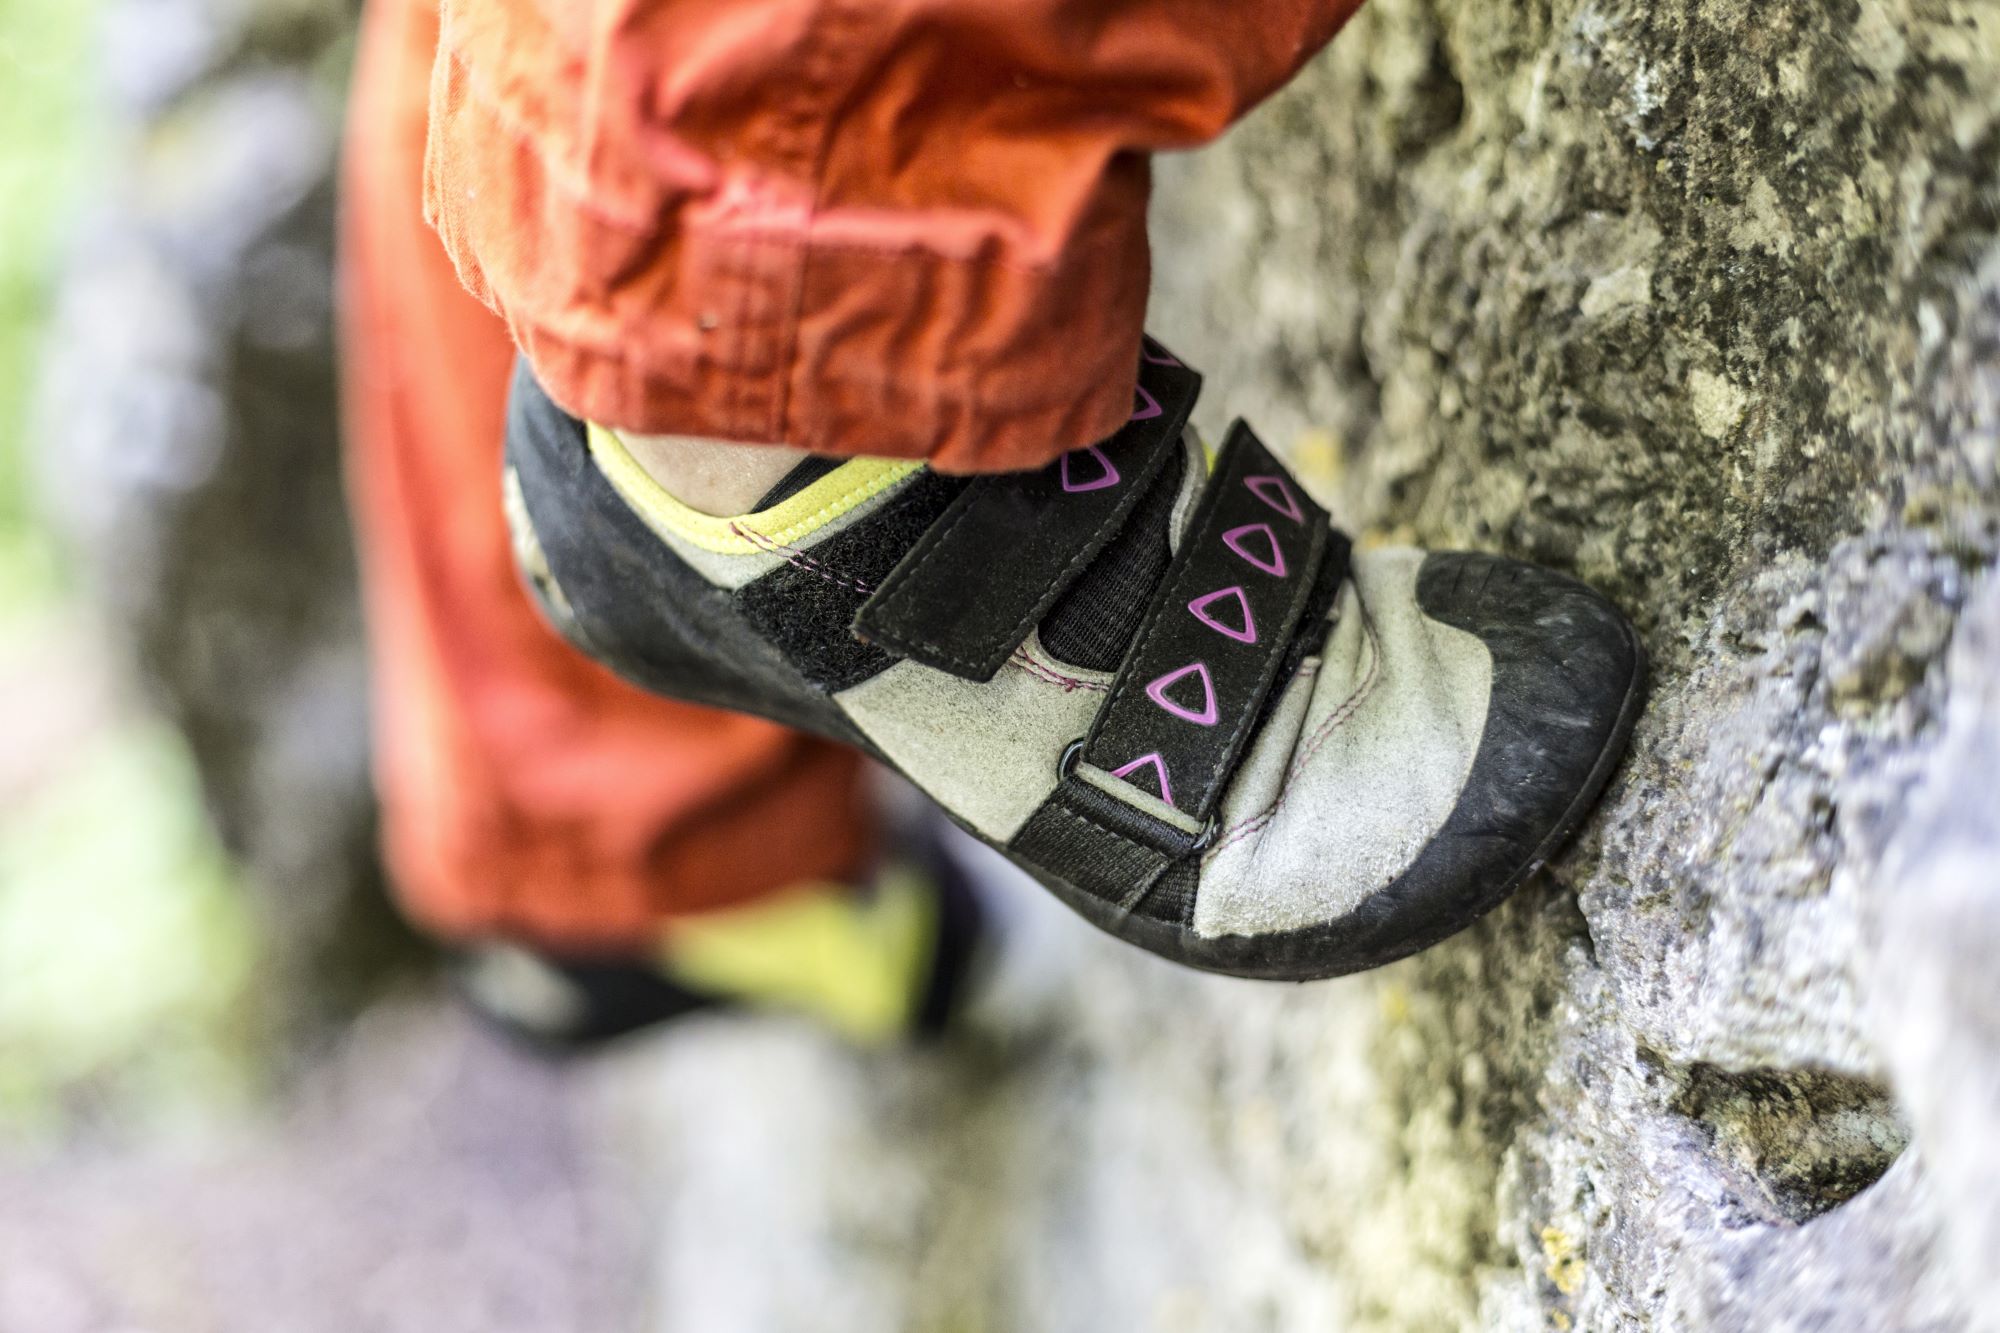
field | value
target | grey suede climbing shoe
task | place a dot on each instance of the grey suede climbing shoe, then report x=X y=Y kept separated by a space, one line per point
x=1175 y=695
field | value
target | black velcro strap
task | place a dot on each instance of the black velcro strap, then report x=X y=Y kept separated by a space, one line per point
x=1209 y=651
x=993 y=564
x=1141 y=792
x=1100 y=844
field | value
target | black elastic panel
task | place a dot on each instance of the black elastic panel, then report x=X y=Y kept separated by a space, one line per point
x=800 y=477
x=806 y=606
x=1092 y=624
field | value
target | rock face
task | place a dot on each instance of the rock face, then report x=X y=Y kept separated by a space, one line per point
x=1703 y=302
x=1700 y=300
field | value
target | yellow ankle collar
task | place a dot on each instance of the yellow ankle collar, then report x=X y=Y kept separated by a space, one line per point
x=783 y=524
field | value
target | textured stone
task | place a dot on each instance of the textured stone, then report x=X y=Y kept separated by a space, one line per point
x=1933 y=945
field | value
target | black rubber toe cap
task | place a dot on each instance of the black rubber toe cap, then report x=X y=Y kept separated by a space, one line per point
x=1566 y=668
x=1568 y=675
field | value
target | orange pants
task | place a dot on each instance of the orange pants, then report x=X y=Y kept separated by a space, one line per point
x=525 y=791
x=896 y=227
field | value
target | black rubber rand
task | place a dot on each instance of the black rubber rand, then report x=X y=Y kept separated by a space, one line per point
x=1144 y=785
x=987 y=572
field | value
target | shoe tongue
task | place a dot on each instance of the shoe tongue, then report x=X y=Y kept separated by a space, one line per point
x=805 y=474
x=1092 y=623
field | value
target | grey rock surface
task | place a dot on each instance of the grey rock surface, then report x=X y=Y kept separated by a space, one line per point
x=1701 y=301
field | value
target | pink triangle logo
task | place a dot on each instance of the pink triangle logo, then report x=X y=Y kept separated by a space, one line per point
x=1144 y=406
x=1200 y=605
x=1283 y=501
x=1205 y=717
x=1159 y=767
x=1108 y=477
x=1273 y=564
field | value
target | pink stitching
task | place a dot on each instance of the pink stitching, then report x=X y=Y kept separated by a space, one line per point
x=1051 y=676
x=794 y=556
x=1348 y=708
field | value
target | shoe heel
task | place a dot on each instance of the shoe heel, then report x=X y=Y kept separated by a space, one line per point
x=533 y=566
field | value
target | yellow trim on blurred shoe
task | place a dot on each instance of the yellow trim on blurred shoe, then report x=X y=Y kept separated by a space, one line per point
x=856 y=962
x=783 y=524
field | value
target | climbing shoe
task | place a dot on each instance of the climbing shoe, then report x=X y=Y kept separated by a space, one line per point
x=895 y=958
x=1172 y=692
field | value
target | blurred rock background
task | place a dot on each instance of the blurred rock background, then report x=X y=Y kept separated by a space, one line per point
x=188 y=375
x=1699 y=300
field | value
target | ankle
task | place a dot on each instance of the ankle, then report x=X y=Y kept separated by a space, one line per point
x=717 y=477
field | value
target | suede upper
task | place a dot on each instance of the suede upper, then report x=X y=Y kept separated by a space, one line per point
x=1302 y=763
